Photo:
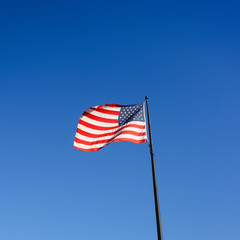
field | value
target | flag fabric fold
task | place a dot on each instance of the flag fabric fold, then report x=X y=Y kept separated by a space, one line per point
x=103 y=124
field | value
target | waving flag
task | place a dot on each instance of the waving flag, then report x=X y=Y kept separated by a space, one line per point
x=104 y=124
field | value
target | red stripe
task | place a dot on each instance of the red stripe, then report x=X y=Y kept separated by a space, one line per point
x=92 y=135
x=116 y=140
x=105 y=140
x=95 y=127
x=110 y=105
x=129 y=140
x=100 y=119
x=106 y=111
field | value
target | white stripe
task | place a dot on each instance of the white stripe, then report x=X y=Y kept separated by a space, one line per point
x=102 y=115
x=128 y=136
x=79 y=145
x=117 y=109
x=93 y=131
x=93 y=139
x=97 y=123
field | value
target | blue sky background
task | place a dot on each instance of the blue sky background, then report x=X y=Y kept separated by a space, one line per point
x=58 y=58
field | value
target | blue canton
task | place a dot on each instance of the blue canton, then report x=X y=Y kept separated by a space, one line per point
x=131 y=113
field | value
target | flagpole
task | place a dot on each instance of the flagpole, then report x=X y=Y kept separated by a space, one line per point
x=158 y=219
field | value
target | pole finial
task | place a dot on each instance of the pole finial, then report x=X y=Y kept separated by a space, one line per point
x=146 y=98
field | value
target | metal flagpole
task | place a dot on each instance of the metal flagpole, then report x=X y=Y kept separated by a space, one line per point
x=158 y=219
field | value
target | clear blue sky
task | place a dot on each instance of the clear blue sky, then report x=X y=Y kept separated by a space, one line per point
x=58 y=58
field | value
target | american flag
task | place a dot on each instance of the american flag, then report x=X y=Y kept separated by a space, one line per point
x=104 y=124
